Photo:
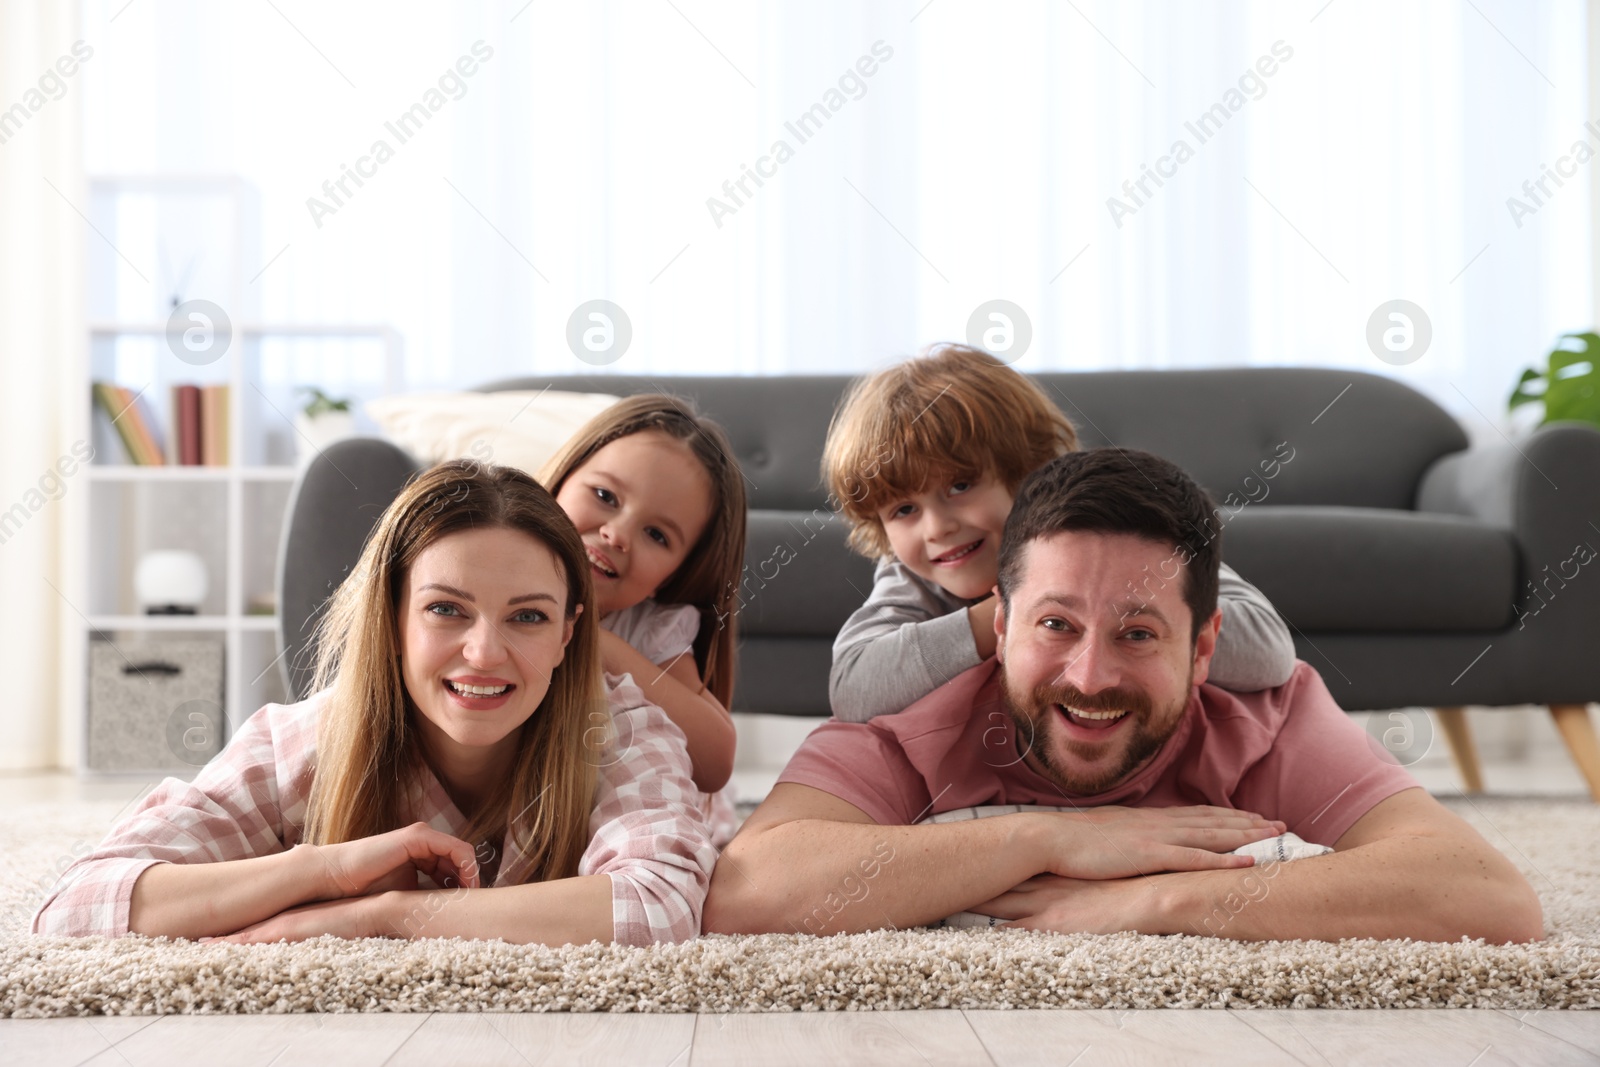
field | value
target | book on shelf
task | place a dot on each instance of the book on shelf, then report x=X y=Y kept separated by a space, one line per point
x=134 y=422
x=214 y=426
x=186 y=425
x=109 y=401
x=199 y=431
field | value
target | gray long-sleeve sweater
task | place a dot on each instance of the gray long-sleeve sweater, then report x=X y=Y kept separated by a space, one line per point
x=911 y=636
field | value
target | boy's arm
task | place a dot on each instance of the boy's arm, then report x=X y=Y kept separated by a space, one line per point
x=1254 y=650
x=908 y=639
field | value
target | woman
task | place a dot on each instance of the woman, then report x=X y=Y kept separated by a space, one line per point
x=460 y=739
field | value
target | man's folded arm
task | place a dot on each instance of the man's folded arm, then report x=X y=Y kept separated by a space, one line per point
x=1409 y=867
x=809 y=862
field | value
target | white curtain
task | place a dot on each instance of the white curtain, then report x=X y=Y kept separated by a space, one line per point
x=41 y=338
x=975 y=162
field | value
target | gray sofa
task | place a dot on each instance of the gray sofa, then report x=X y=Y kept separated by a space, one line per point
x=1411 y=570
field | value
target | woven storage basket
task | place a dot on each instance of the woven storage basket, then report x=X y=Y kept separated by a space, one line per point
x=155 y=705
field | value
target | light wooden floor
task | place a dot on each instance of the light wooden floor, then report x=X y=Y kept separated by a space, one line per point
x=1058 y=1038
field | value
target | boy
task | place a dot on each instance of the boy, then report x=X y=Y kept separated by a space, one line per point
x=923 y=459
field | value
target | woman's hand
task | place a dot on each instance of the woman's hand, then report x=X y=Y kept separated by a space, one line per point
x=1121 y=842
x=392 y=861
x=353 y=917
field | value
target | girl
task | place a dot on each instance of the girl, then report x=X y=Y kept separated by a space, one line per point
x=660 y=505
x=452 y=743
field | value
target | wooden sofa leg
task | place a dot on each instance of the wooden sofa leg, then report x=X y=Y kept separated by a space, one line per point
x=1578 y=732
x=1459 y=736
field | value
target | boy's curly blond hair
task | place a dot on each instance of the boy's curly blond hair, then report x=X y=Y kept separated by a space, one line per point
x=951 y=412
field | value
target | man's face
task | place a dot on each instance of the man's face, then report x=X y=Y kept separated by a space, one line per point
x=1097 y=661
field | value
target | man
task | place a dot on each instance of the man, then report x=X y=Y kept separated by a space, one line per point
x=1095 y=703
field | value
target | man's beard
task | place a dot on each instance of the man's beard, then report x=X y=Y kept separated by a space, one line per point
x=1037 y=723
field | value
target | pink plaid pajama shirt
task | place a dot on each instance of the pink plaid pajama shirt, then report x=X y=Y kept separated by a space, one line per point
x=647 y=830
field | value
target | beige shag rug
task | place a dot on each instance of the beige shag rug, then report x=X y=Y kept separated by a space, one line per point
x=1552 y=842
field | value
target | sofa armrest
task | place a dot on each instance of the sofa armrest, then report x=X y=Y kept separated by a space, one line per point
x=334 y=504
x=1546 y=490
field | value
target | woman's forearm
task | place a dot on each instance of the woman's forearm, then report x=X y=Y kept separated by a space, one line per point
x=209 y=899
x=566 y=911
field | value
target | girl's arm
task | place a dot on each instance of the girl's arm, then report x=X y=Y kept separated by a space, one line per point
x=1254 y=649
x=676 y=689
x=648 y=834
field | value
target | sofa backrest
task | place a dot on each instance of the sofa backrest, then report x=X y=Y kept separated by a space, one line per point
x=1357 y=439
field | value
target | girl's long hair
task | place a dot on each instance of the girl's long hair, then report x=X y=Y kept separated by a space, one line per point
x=709 y=576
x=369 y=757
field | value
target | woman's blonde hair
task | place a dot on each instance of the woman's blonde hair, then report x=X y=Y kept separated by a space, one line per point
x=708 y=578
x=369 y=759
x=952 y=412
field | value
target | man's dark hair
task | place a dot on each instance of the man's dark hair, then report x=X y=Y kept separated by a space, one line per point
x=1120 y=491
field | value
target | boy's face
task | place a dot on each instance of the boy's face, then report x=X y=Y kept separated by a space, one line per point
x=949 y=533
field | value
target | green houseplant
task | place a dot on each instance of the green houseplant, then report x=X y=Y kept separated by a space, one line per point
x=1569 y=386
x=318 y=402
x=323 y=419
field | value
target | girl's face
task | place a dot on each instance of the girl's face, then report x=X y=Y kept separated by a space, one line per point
x=482 y=626
x=641 y=503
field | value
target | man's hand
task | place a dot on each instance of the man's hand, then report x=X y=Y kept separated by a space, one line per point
x=1076 y=905
x=1121 y=842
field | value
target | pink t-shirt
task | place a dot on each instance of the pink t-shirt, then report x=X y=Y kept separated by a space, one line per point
x=1288 y=753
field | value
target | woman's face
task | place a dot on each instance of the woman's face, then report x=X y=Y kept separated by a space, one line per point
x=482 y=626
x=641 y=503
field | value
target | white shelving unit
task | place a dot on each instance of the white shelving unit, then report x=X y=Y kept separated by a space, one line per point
x=231 y=515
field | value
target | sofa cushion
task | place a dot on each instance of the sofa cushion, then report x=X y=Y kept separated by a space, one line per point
x=1363 y=569
x=799 y=578
x=516 y=429
x=783 y=676
x=776 y=425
